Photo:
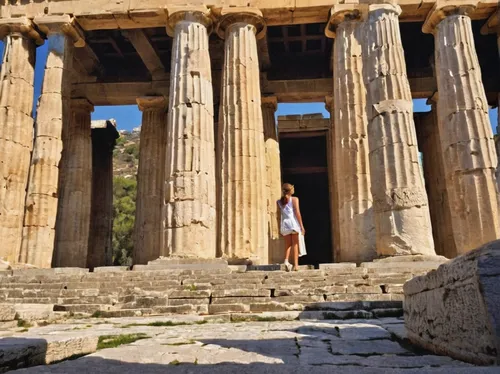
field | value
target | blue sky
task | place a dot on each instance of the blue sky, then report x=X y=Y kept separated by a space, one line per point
x=128 y=116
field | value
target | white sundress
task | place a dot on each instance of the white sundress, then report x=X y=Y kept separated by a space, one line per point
x=290 y=225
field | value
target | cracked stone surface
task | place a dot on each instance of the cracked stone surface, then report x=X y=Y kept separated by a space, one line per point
x=359 y=346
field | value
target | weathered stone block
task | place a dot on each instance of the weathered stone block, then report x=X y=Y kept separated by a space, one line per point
x=455 y=310
x=7 y=312
x=241 y=293
x=342 y=265
x=34 y=312
x=228 y=308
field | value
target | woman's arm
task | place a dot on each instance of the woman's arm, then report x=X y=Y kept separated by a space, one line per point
x=278 y=217
x=296 y=210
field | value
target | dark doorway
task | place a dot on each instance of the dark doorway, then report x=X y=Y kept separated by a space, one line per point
x=304 y=164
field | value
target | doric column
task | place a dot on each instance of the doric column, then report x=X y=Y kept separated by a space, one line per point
x=400 y=202
x=332 y=182
x=273 y=174
x=243 y=199
x=75 y=182
x=190 y=207
x=467 y=142
x=356 y=226
x=16 y=128
x=52 y=115
x=429 y=143
x=150 y=180
x=104 y=135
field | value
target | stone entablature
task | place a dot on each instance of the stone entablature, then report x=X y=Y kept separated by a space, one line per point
x=305 y=122
x=101 y=14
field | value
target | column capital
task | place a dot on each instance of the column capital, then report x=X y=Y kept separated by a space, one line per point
x=82 y=104
x=391 y=6
x=152 y=102
x=269 y=102
x=64 y=24
x=329 y=103
x=433 y=100
x=249 y=16
x=443 y=9
x=492 y=25
x=344 y=13
x=198 y=14
x=21 y=25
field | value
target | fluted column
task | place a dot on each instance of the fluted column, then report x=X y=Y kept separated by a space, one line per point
x=243 y=199
x=273 y=180
x=190 y=207
x=16 y=128
x=467 y=144
x=75 y=182
x=356 y=226
x=429 y=144
x=52 y=115
x=400 y=202
x=150 y=180
x=332 y=182
x=104 y=135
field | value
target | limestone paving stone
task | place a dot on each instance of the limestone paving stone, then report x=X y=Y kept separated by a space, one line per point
x=299 y=343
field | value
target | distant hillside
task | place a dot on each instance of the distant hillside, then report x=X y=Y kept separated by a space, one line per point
x=126 y=154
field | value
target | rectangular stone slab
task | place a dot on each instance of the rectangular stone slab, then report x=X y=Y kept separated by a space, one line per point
x=455 y=310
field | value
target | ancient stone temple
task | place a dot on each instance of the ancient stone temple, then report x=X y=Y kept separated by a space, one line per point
x=376 y=179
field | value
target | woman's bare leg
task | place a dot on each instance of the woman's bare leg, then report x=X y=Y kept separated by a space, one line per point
x=295 y=251
x=288 y=246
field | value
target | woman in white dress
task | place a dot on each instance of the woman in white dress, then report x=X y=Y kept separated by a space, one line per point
x=290 y=223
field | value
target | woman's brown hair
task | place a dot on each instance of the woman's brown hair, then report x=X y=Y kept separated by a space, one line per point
x=286 y=189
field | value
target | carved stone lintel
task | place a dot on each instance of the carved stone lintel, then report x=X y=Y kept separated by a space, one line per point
x=443 y=9
x=151 y=102
x=22 y=25
x=198 y=14
x=61 y=24
x=250 y=16
x=342 y=13
x=82 y=104
x=269 y=102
